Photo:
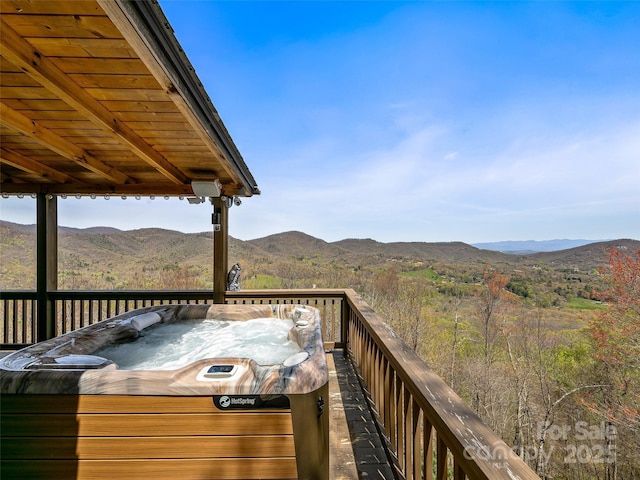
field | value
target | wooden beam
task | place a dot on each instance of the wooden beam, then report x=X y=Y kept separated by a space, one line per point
x=28 y=165
x=32 y=129
x=18 y=51
x=144 y=189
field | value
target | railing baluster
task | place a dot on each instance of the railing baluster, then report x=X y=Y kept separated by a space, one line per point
x=72 y=318
x=458 y=473
x=408 y=433
x=385 y=410
x=10 y=322
x=61 y=320
x=34 y=320
x=393 y=412
x=375 y=380
x=19 y=331
x=417 y=438
x=441 y=456
x=427 y=451
x=400 y=416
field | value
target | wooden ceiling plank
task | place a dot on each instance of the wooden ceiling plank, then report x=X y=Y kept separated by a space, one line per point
x=8 y=67
x=102 y=80
x=75 y=7
x=127 y=94
x=118 y=106
x=150 y=116
x=29 y=165
x=17 y=79
x=20 y=52
x=38 y=105
x=178 y=142
x=105 y=66
x=64 y=115
x=161 y=126
x=172 y=136
x=44 y=136
x=26 y=93
x=61 y=124
x=84 y=47
x=62 y=26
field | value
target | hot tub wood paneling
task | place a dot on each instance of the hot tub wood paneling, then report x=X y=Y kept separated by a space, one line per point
x=66 y=412
x=99 y=436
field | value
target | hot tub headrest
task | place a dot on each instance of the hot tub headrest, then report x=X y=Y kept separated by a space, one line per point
x=144 y=320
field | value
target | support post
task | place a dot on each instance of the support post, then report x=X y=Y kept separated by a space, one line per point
x=220 y=249
x=47 y=263
x=344 y=323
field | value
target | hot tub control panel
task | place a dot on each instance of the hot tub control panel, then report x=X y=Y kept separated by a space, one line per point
x=218 y=372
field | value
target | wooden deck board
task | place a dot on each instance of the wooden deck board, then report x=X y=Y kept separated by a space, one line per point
x=342 y=464
x=355 y=447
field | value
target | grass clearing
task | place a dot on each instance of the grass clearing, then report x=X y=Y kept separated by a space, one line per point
x=579 y=303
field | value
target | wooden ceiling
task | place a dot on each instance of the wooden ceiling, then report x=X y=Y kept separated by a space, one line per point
x=98 y=97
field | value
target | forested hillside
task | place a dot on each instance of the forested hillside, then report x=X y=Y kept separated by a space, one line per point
x=107 y=258
x=543 y=346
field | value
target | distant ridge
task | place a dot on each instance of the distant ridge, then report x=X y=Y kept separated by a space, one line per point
x=523 y=247
x=109 y=252
x=294 y=242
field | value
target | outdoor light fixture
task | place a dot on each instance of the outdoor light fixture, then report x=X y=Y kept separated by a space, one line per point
x=207 y=189
x=211 y=189
x=231 y=201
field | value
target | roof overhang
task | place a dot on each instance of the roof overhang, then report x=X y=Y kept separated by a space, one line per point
x=97 y=97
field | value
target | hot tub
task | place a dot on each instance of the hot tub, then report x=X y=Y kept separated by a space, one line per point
x=71 y=410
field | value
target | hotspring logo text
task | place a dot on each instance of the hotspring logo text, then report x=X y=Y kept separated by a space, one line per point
x=226 y=401
x=577 y=443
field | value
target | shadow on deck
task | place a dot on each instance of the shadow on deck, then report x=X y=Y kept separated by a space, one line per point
x=356 y=448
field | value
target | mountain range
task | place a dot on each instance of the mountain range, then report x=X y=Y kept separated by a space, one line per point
x=108 y=249
x=585 y=257
x=533 y=246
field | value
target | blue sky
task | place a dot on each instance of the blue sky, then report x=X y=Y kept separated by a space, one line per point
x=412 y=121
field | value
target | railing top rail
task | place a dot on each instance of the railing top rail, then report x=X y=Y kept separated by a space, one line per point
x=472 y=442
x=152 y=294
x=18 y=295
x=289 y=293
x=127 y=294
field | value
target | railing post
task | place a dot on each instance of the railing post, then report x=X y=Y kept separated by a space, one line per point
x=344 y=323
x=47 y=263
x=220 y=248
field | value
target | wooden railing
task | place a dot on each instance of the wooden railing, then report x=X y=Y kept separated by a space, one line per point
x=19 y=319
x=430 y=432
x=77 y=309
